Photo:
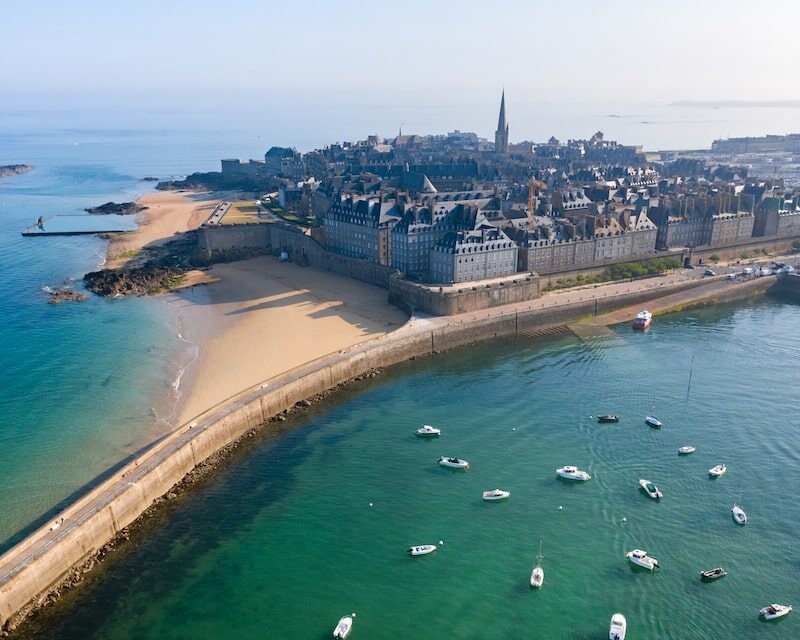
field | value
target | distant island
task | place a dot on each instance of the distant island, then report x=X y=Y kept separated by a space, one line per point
x=736 y=103
x=119 y=208
x=14 y=170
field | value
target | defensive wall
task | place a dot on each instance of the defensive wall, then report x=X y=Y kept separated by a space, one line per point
x=29 y=570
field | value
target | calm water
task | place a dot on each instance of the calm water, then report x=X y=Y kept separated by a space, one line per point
x=82 y=385
x=283 y=543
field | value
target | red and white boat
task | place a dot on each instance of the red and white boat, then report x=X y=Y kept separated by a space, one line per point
x=642 y=320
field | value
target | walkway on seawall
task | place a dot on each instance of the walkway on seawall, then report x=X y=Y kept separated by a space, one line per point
x=35 y=566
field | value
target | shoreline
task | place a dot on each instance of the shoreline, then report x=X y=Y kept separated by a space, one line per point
x=108 y=510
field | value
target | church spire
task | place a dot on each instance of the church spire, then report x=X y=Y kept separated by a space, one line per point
x=501 y=135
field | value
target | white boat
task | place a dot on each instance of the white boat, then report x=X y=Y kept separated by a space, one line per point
x=422 y=549
x=453 y=463
x=686 y=449
x=739 y=516
x=537 y=575
x=573 y=473
x=427 y=431
x=642 y=320
x=344 y=627
x=496 y=494
x=618 y=627
x=775 y=611
x=650 y=489
x=719 y=470
x=653 y=422
x=641 y=559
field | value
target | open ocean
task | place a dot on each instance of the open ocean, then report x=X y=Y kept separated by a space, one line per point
x=83 y=385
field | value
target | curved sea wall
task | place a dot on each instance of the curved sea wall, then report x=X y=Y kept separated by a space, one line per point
x=31 y=569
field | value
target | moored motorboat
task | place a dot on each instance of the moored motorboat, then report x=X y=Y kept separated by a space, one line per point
x=453 y=463
x=427 y=431
x=642 y=320
x=573 y=473
x=344 y=627
x=739 y=516
x=713 y=574
x=537 y=575
x=686 y=449
x=719 y=470
x=653 y=422
x=641 y=559
x=775 y=611
x=422 y=549
x=618 y=627
x=608 y=418
x=496 y=494
x=650 y=489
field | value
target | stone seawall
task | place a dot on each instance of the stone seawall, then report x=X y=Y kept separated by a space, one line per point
x=30 y=569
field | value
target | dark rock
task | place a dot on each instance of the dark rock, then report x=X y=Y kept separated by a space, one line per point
x=58 y=295
x=120 y=208
x=139 y=281
x=149 y=179
x=14 y=170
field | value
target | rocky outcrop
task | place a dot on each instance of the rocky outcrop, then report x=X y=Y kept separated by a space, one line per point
x=214 y=181
x=139 y=281
x=149 y=179
x=14 y=169
x=119 y=208
x=57 y=295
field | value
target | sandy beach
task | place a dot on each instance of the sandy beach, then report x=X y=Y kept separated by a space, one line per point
x=262 y=317
x=167 y=213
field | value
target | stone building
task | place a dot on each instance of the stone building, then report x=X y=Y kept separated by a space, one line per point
x=501 y=135
x=731 y=228
x=462 y=256
x=421 y=228
x=360 y=227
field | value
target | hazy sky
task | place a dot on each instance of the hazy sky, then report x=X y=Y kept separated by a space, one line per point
x=179 y=51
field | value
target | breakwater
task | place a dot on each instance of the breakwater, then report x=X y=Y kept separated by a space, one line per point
x=33 y=567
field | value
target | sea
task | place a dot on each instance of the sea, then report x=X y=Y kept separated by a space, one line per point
x=282 y=541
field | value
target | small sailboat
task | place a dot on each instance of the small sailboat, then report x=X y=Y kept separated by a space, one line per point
x=618 y=627
x=608 y=418
x=496 y=494
x=653 y=422
x=573 y=473
x=453 y=463
x=641 y=559
x=686 y=449
x=713 y=574
x=650 y=489
x=537 y=575
x=344 y=627
x=422 y=549
x=717 y=471
x=739 y=516
x=775 y=611
x=427 y=431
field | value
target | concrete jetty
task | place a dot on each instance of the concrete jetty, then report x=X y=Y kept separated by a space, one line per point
x=32 y=568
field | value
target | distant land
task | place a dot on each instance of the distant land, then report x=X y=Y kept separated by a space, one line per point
x=14 y=169
x=736 y=103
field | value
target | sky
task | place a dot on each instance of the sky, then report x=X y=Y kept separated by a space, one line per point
x=565 y=50
x=447 y=58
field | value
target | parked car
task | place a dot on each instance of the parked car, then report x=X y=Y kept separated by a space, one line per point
x=709 y=272
x=747 y=271
x=730 y=276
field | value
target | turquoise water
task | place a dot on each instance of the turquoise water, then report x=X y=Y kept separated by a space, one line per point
x=82 y=385
x=284 y=542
